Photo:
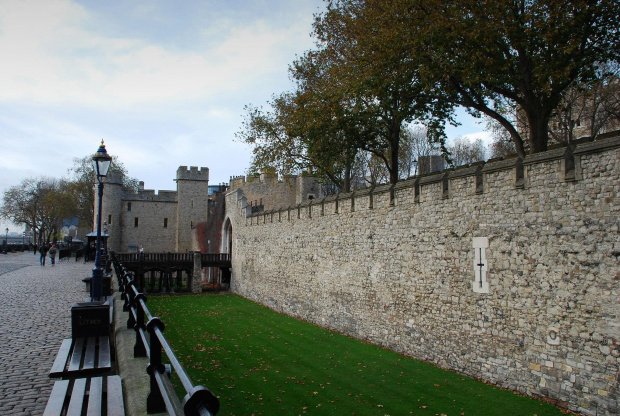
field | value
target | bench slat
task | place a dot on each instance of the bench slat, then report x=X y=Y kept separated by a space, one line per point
x=115 y=397
x=76 y=357
x=85 y=356
x=89 y=354
x=104 y=352
x=57 y=398
x=77 y=398
x=95 y=397
x=61 y=359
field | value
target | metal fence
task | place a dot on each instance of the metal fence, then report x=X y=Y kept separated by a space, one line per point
x=150 y=341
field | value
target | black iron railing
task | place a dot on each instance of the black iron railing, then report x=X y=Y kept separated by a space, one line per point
x=198 y=400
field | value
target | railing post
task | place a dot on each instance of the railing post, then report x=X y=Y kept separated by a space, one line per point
x=196 y=283
x=131 y=321
x=155 y=401
x=139 y=349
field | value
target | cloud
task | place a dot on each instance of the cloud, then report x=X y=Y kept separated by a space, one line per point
x=485 y=136
x=54 y=54
x=163 y=83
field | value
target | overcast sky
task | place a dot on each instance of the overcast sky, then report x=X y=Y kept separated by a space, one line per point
x=163 y=83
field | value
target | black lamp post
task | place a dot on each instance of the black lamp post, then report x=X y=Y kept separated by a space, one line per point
x=101 y=164
x=6 y=237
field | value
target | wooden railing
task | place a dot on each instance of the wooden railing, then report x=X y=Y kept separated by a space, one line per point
x=176 y=272
x=215 y=259
x=198 y=400
x=207 y=259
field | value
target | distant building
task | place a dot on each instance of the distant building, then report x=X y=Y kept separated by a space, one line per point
x=428 y=164
x=174 y=221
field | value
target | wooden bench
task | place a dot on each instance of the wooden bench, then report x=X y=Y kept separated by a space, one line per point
x=81 y=357
x=91 y=396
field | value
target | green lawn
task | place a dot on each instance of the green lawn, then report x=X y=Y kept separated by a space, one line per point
x=259 y=362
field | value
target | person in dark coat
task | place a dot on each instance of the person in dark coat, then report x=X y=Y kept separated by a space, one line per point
x=43 y=253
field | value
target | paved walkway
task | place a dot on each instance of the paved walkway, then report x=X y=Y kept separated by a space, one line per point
x=35 y=315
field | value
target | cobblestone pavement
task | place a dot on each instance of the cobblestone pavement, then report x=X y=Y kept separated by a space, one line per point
x=35 y=315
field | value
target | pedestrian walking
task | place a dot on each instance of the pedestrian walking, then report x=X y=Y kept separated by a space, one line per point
x=43 y=253
x=52 y=254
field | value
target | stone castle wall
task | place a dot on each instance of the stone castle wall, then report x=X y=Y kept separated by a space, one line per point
x=160 y=222
x=270 y=192
x=506 y=271
x=156 y=227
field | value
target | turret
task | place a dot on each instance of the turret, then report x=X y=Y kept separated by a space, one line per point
x=111 y=209
x=192 y=208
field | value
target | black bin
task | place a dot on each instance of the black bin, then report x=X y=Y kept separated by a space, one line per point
x=90 y=319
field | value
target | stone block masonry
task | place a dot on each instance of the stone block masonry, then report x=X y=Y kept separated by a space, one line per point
x=399 y=267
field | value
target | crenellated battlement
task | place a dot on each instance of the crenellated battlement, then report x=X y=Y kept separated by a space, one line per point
x=481 y=178
x=193 y=173
x=268 y=191
x=150 y=195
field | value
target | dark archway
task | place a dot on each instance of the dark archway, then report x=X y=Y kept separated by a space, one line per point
x=227 y=237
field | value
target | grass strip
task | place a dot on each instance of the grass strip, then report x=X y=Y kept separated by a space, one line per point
x=260 y=362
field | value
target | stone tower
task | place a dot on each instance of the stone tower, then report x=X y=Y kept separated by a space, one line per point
x=307 y=189
x=111 y=209
x=192 y=208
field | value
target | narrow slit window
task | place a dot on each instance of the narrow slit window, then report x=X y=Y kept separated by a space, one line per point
x=481 y=266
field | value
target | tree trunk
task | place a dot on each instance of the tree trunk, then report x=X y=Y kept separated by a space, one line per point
x=347 y=178
x=539 y=131
x=394 y=147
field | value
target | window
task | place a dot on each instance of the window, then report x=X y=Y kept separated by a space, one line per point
x=128 y=206
x=135 y=222
x=165 y=222
x=109 y=220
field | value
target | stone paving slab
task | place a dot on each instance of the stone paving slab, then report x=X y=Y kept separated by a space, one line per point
x=35 y=316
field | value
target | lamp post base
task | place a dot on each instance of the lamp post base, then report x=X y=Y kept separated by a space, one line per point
x=96 y=284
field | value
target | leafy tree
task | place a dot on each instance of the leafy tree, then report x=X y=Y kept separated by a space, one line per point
x=44 y=203
x=585 y=110
x=357 y=41
x=40 y=203
x=486 y=54
x=341 y=106
x=315 y=127
x=289 y=140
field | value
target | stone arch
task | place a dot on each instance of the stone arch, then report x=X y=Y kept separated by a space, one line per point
x=227 y=236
